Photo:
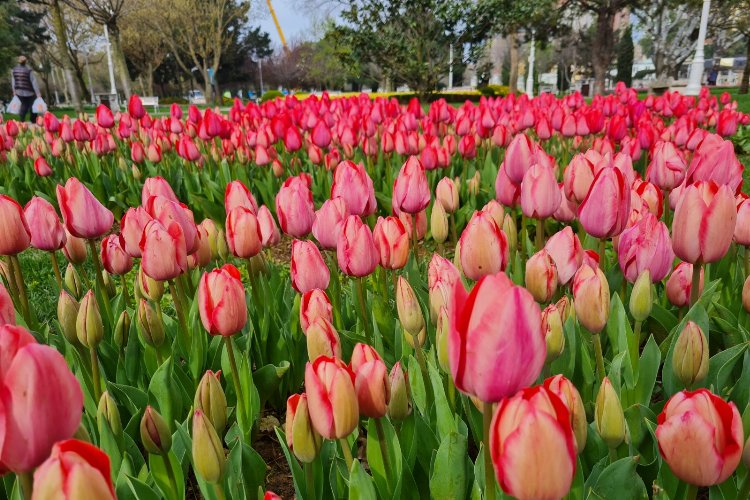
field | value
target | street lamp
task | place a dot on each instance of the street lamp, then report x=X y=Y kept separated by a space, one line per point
x=698 y=65
x=530 y=76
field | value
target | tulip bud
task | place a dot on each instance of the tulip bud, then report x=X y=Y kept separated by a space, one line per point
x=74 y=249
x=149 y=287
x=150 y=324
x=591 y=294
x=567 y=392
x=108 y=412
x=690 y=356
x=73 y=281
x=221 y=245
x=439 y=223
x=155 y=434
x=746 y=295
x=566 y=308
x=89 y=326
x=122 y=330
x=608 y=415
x=109 y=285
x=211 y=400
x=301 y=436
x=67 y=312
x=409 y=312
x=441 y=339
x=641 y=298
x=322 y=339
x=511 y=231
x=552 y=326
x=208 y=453
x=399 y=406
x=541 y=276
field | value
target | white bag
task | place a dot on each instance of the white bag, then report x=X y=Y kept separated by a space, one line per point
x=39 y=107
x=14 y=107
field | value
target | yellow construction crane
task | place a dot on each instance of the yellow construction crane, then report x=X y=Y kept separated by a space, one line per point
x=278 y=26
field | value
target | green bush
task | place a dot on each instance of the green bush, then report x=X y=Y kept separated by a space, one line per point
x=494 y=90
x=172 y=100
x=270 y=95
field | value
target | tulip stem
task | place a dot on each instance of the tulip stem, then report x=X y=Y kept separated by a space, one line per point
x=219 y=491
x=309 y=480
x=666 y=209
x=695 y=285
x=125 y=293
x=359 y=284
x=26 y=481
x=599 y=356
x=602 y=253
x=336 y=292
x=747 y=261
x=383 y=451
x=347 y=453
x=415 y=236
x=539 y=234
x=56 y=269
x=522 y=236
x=170 y=472
x=744 y=493
x=177 y=299
x=100 y=280
x=691 y=492
x=21 y=287
x=254 y=290
x=237 y=385
x=612 y=455
x=489 y=476
x=635 y=345
x=95 y=377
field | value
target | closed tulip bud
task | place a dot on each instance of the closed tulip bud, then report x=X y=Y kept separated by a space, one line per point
x=222 y=250
x=47 y=233
x=439 y=223
x=322 y=340
x=409 y=312
x=74 y=249
x=679 y=284
x=591 y=298
x=690 y=356
x=73 y=281
x=392 y=242
x=67 y=313
x=446 y=193
x=221 y=301
x=301 y=437
x=149 y=287
x=150 y=324
x=541 y=276
x=89 y=326
x=211 y=400
x=109 y=285
x=605 y=210
x=540 y=194
x=84 y=216
x=294 y=206
x=399 y=406
x=700 y=436
x=746 y=295
x=244 y=238
x=352 y=183
x=122 y=330
x=332 y=401
x=642 y=298
x=609 y=418
x=155 y=434
x=472 y=185
x=208 y=453
x=164 y=250
x=308 y=270
x=511 y=231
x=526 y=428
x=441 y=339
x=115 y=259
x=15 y=236
x=411 y=191
x=356 y=251
x=108 y=413
x=314 y=304
x=74 y=469
x=552 y=326
x=373 y=388
x=484 y=247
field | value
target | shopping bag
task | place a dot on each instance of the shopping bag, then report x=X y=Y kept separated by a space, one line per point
x=39 y=107
x=14 y=107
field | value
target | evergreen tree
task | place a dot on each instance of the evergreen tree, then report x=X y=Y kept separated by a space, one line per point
x=625 y=57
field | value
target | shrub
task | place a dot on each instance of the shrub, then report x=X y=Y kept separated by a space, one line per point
x=270 y=95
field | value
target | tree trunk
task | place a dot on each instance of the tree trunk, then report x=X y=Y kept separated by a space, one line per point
x=149 y=74
x=78 y=73
x=513 y=83
x=119 y=58
x=602 y=52
x=746 y=72
x=62 y=47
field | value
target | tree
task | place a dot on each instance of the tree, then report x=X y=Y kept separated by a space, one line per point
x=735 y=21
x=144 y=49
x=247 y=46
x=21 y=30
x=625 y=57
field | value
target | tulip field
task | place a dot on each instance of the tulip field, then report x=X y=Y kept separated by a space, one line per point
x=350 y=297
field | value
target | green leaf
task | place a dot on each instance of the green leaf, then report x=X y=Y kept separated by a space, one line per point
x=448 y=477
x=139 y=490
x=649 y=369
x=164 y=394
x=298 y=476
x=360 y=484
x=446 y=419
x=385 y=480
x=619 y=480
x=161 y=476
x=720 y=367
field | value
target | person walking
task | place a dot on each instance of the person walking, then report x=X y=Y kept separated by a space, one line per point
x=25 y=88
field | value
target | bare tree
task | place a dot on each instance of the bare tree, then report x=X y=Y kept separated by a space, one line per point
x=733 y=23
x=145 y=49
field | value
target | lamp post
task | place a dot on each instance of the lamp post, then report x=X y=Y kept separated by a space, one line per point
x=450 y=67
x=697 y=67
x=530 y=75
x=112 y=88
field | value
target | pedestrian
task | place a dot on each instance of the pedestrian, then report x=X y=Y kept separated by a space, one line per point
x=25 y=88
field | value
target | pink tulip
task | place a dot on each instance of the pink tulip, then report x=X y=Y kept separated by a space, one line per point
x=167 y=211
x=373 y=388
x=131 y=228
x=268 y=228
x=332 y=401
x=680 y=284
x=163 y=251
x=74 y=469
x=135 y=107
x=484 y=247
x=441 y=276
x=541 y=276
x=605 y=210
x=645 y=246
x=47 y=233
x=411 y=192
x=495 y=345
x=446 y=193
x=244 y=237
x=354 y=186
x=540 y=195
x=7 y=312
x=700 y=437
x=356 y=251
x=84 y=216
x=321 y=135
x=75 y=249
x=667 y=167
x=238 y=195
x=42 y=402
x=392 y=242
x=328 y=220
x=221 y=301
x=741 y=229
x=704 y=222
x=41 y=167
x=519 y=157
x=157 y=186
x=526 y=429
x=115 y=259
x=578 y=177
x=308 y=269
x=294 y=206
x=314 y=304
x=715 y=160
x=15 y=235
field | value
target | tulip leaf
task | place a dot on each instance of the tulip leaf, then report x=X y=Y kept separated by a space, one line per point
x=696 y=314
x=649 y=362
x=385 y=479
x=448 y=479
x=268 y=378
x=245 y=472
x=163 y=393
x=360 y=484
x=720 y=367
x=618 y=332
x=417 y=384
x=619 y=480
x=109 y=444
x=160 y=474
x=139 y=490
x=446 y=419
x=298 y=476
